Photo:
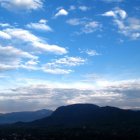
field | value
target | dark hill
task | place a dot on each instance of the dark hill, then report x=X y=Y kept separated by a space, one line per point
x=90 y=115
x=26 y=116
x=79 y=121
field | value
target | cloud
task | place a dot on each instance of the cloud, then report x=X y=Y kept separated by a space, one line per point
x=128 y=26
x=72 y=7
x=117 y=13
x=56 y=70
x=4 y=35
x=91 y=27
x=61 y=12
x=5 y=25
x=41 y=25
x=13 y=58
x=50 y=48
x=110 y=1
x=92 y=52
x=70 y=61
x=124 y=94
x=84 y=8
x=21 y=4
x=75 y=21
x=33 y=40
x=87 y=25
x=61 y=66
x=25 y=35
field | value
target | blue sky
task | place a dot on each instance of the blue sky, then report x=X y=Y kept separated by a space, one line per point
x=55 y=53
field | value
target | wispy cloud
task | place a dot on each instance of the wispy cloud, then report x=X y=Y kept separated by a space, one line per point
x=92 y=52
x=62 y=65
x=128 y=26
x=41 y=25
x=86 y=25
x=13 y=58
x=110 y=1
x=21 y=4
x=91 y=27
x=5 y=25
x=84 y=8
x=55 y=70
x=35 y=41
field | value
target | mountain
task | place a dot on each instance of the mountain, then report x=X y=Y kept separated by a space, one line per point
x=79 y=121
x=26 y=116
x=90 y=115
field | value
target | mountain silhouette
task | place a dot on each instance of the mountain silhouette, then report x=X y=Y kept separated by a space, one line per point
x=88 y=115
x=79 y=121
x=26 y=116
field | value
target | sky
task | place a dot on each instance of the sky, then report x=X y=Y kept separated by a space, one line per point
x=60 y=52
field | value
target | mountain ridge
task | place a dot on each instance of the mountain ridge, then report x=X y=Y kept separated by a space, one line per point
x=87 y=114
x=24 y=116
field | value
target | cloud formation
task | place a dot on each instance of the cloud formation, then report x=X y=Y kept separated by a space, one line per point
x=61 y=12
x=124 y=94
x=128 y=26
x=13 y=58
x=41 y=25
x=35 y=41
x=62 y=65
x=21 y=4
x=110 y=1
x=87 y=25
x=117 y=13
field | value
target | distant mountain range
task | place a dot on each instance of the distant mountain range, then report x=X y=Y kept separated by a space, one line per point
x=26 y=116
x=88 y=115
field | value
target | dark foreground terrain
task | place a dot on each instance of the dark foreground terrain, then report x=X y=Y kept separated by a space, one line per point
x=81 y=121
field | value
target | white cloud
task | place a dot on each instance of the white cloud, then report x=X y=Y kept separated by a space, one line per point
x=108 y=1
x=50 y=48
x=72 y=7
x=61 y=12
x=27 y=36
x=128 y=26
x=75 y=21
x=70 y=61
x=4 y=35
x=22 y=34
x=117 y=13
x=60 y=66
x=41 y=25
x=92 y=26
x=43 y=21
x=56 y=70
x=5 y=25
x=21 y=4
x=92 y=52
x=109 y=14
x=13 y=58
x=87 y=25
x=84 y=8
x=124 y=94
